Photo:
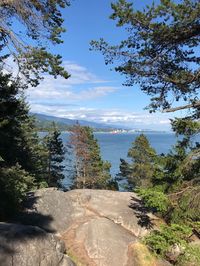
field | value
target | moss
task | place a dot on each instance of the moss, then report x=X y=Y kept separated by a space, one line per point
x=142 y=256
x=74 y=258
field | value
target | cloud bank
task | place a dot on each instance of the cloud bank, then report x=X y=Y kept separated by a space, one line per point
x=82 y=85
x=69 y=98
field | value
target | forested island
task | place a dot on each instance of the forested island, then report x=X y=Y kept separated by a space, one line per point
x=161 y=54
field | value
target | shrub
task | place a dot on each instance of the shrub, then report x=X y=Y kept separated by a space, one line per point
x=154 y=199
x=161 y=241
x=14 y=184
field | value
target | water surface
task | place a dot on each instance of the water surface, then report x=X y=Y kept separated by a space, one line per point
x=116 y=146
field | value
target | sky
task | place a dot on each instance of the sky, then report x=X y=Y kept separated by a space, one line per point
x=94 y=92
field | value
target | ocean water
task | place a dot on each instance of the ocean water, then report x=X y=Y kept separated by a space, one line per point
x=116 y=146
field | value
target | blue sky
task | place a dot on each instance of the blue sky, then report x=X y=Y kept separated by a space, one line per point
x=94 y=92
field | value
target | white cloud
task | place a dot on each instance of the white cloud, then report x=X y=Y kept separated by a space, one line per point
x=82 y=85
x=80 y=74
x=165 y=122
x=51 y=92
x=110 y=117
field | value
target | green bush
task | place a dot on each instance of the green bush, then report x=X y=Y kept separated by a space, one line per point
x=154 y=199
x=190 y=257
x=187 y=206
x=14 y=184
x=161 y=241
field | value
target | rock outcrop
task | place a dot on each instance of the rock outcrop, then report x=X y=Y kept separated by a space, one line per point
x=30 y=246
x=98 y=227
x=63 y=209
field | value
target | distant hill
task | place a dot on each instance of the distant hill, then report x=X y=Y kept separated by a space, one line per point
x=43 y=122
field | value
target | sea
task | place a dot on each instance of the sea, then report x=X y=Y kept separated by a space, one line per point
x=116 y=146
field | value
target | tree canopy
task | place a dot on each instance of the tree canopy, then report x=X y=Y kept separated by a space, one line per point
x=22 y=164
x=160 y=52
x=139 y=172
x=26 y=30
x=88 y=170
x=55 y=157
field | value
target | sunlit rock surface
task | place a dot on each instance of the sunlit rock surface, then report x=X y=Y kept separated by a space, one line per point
x=97 y=226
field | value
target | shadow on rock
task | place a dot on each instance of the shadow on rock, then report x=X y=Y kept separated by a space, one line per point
x=26 y=245
x=30 y=216
x=13 y=235
x=17 y=229
x=141 y=213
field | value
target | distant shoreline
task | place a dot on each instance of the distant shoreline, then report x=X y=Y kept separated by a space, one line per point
x=120 y=133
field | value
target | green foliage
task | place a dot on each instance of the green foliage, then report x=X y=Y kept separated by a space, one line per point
x=88 y=170
x=190 y=257
x=160 y=50
x=160 y=54
x=186 y=126
x=143 y=163
x=154 y=199
x=22 y=154
x=187 y=205
x=19 y=142
x=187 y=151
x=55 y=157
x=42 y=24
x=14 y=184
x=161 y=241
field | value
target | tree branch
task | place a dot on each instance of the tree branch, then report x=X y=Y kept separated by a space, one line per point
x=192 y=105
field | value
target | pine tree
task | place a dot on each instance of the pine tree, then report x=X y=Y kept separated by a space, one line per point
x=159 y=51
x=142 y=167
x=15 y=182
x=41 y=25
x=90 y=170
x=160 y=54
x=22 y=155
x=55 y=157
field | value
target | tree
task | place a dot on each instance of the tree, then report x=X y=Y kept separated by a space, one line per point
x=22 y=155
x=22 y=163
x=14 y=184
x=143 y=160
x=160 y=52
x=55 y=157
x=19 y=142
x=125 y=170
x=90 y=170
x=42 y=23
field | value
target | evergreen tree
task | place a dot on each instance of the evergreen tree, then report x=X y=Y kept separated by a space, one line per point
x=143 y=162
x=160 y=51
x=22 y=155
x=161 y=54
x=41 y=24
x=90 y=170
x=19 y=142
x=14 y=184
x=55 y=157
